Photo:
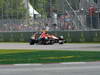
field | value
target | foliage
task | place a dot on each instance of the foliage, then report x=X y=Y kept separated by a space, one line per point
x=47 y=6
x=12 y=9
x=16 y=8
x=39 y=5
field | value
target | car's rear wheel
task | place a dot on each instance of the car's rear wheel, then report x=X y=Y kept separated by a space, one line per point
x=32 y=42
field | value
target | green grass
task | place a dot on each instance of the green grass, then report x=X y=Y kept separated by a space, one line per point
x=51 y=56
x=14 y=51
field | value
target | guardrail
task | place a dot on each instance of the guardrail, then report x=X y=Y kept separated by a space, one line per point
x=70 y=36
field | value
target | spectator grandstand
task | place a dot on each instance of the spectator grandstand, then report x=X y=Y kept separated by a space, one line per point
x=70 y=15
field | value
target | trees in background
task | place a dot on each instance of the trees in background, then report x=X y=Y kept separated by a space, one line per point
x=12 y=9
x=16 y=8
x=40 y=6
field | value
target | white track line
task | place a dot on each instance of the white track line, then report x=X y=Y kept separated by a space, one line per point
x=49 y=63
x=74 y=63
x=27 y=64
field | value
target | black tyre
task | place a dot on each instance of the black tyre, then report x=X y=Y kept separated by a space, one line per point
x=51 y=42
x=61 y=41
x=32 y=42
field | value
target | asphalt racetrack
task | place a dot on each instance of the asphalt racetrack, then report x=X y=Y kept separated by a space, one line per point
x=78 y=68
x=52 y=69
x=67 y=46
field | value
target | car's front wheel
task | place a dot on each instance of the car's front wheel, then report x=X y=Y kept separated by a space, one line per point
x=61 y=41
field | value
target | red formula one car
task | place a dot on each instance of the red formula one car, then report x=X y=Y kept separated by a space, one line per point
x=46 y=39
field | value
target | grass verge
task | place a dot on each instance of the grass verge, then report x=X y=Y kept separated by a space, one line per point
x=51 y=56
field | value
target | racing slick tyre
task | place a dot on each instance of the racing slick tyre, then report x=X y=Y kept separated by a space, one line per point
x=43 y=41
x=32 y=42
x=51 y=42
x=61 y=41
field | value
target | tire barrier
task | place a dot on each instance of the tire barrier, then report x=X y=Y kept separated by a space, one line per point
x=69 y=36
